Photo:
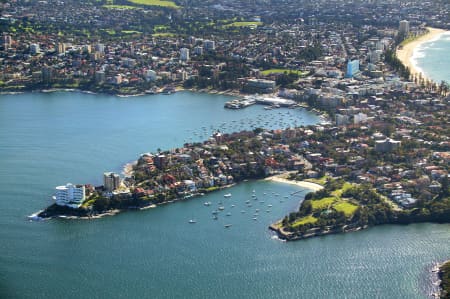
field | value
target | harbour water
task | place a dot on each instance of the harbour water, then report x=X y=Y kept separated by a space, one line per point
x=50 y=139
x=432 y=58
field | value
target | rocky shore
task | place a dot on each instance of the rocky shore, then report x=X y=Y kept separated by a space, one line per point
x=444 y=277
x=314 y=232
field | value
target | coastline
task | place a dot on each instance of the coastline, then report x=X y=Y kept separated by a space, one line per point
x=128 y=171
x=406 y=53
x=228 y=92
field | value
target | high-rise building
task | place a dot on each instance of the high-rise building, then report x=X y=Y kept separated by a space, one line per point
x=7 y=41
x=111 y=181
x=184 y=54
x=352 y=68
x=61 y=48
x=209 y=45
x=35 y=49
x=48 y=74
x=403 y=28
x=70 y=195
x=100 y=76
x=198 y=50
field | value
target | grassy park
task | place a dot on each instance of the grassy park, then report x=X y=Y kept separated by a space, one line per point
x=162 y=3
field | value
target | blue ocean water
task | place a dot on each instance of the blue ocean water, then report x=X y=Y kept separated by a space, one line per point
x=50 y=139
x=433 y=58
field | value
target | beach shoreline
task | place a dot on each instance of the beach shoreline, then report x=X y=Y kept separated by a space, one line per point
x=406 y=53
x=282 y=178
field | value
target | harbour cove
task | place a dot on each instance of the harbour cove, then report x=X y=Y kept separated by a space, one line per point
x=157 y=252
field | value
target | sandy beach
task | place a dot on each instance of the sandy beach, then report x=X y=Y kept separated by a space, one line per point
x=406 y=53
x=282 y=179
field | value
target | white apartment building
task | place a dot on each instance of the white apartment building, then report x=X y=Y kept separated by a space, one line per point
x=70 y=195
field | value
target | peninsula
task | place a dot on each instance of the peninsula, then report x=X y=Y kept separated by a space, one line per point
x=368 y=179
x=384 y=157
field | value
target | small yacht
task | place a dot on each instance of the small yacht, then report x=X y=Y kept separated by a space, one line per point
x=208 y=203
x=192 y=221
x=221 y=208
x=227 y=195
x=227 y=225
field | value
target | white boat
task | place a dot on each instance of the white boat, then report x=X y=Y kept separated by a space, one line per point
x=228 y=214
x=208 y=203
x=227 y=225
x=221 y=208
x=227 y=195
x=269 y=206
x=192 y=221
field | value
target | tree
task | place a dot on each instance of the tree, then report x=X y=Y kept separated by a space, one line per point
x=101 y=204
x=306 y=207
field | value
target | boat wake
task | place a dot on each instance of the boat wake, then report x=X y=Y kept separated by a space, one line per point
x=275 y=237
x=35 y=217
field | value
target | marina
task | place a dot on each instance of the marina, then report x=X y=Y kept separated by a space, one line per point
x=270 y=101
